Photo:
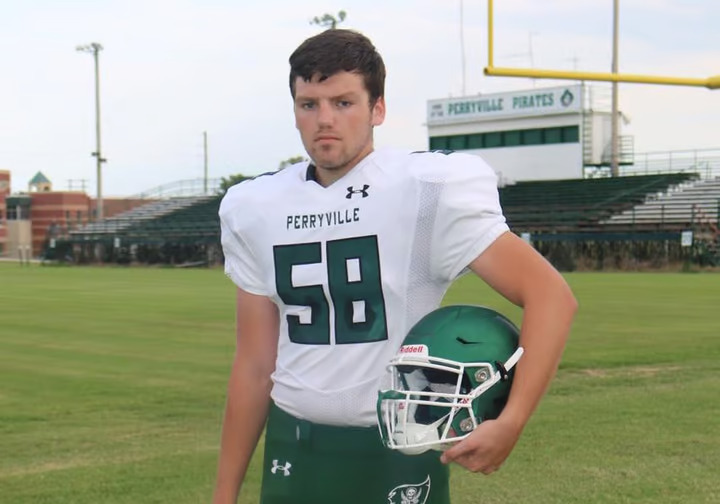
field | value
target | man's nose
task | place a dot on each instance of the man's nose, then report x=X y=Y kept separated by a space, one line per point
x=325 y=114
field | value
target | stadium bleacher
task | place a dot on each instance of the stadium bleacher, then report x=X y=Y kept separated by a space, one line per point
x=694 y=202
x=164 y=217
x=573 y=205
x=637 y=207
x=194 y=222
x=175 y=230
x=580 y=205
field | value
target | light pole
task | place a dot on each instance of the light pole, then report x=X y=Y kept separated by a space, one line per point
x=615 y=155
x=205 y=164
x=95 y=48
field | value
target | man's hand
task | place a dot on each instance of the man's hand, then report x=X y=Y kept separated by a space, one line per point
x=486 y=449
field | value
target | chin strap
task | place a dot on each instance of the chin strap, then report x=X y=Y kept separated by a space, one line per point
x=514 y=358
x=502 y=370
x=509 y=364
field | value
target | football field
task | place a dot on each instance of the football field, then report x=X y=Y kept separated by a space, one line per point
x=112 y=385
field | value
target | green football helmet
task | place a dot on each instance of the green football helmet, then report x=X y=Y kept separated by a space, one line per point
x=453 y=371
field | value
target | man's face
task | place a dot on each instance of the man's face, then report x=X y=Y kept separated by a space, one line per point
x=335 y=121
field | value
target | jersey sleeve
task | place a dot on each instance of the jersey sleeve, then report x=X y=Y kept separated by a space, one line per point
x=241 y=265
x=469 y=216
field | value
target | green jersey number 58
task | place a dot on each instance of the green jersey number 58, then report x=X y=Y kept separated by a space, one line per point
x=354 y=286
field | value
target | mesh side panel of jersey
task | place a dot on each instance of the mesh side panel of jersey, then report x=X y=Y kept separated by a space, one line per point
x=424 y=292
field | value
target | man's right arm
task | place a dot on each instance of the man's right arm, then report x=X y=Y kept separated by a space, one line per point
x=248 y=395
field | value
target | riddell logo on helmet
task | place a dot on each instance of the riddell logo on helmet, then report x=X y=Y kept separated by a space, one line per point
x=414 y=349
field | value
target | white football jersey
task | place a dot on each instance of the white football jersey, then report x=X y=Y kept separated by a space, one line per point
x=354 y=265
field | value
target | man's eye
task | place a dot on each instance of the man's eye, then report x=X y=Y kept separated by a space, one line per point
x=307 y=105
x=343 y=103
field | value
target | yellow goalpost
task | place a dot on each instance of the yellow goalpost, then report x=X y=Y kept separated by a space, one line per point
x=491 y=70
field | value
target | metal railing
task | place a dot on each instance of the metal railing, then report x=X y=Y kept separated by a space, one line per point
x=704 y=162
x=188 y=187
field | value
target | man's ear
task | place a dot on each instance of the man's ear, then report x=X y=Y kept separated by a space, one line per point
x=378 y=112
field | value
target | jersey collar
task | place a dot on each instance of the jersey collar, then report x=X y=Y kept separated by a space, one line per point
x=311 y=172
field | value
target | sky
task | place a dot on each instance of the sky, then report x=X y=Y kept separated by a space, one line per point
x=174 y=70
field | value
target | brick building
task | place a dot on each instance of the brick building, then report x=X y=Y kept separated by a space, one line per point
x=54 y=213
x=29 y=219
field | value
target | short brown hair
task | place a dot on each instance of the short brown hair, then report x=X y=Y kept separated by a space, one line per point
x=337 y=50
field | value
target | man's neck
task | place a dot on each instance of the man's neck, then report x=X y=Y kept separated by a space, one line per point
x=326 y=177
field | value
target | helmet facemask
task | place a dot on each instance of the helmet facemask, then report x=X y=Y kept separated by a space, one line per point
x=435 y=402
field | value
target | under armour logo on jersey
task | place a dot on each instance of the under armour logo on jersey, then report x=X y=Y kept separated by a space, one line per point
x=352 y=191
x=284 y=468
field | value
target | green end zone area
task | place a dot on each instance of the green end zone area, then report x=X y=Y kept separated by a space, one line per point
x=112 y=385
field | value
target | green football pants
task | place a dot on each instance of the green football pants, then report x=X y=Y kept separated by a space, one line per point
x=308 y=463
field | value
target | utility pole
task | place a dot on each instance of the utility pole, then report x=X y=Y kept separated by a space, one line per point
x=614 y=160
x=94 y=49
x=205 y=155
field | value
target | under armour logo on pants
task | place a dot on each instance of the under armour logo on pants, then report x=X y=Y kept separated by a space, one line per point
x=284 y=468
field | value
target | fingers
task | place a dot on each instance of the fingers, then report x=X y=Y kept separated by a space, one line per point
x=484 y=451
x=488 y=470
x=456 y=451
x=475 y=464
x=473 y=458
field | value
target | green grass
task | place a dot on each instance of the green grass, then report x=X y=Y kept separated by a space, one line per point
x=112 y=385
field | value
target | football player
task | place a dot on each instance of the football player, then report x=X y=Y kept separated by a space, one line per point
x=335 y=260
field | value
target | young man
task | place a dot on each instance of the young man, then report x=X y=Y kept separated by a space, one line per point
x=335 y=260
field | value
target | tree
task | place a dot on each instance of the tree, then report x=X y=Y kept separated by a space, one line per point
x=227 y=182
x=328 y=20
x=290 y=161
